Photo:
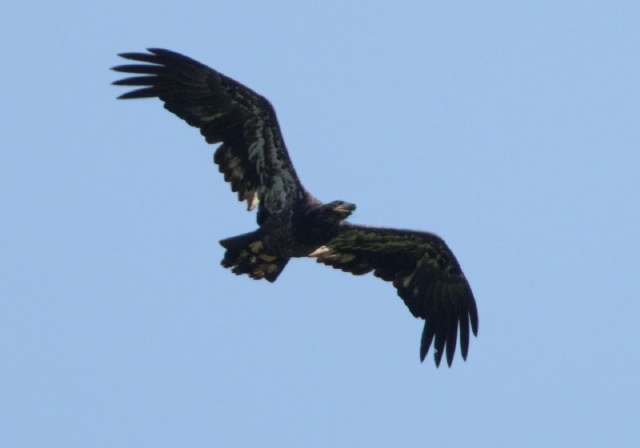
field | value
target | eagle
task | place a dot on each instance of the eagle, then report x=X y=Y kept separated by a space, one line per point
x=253 y=158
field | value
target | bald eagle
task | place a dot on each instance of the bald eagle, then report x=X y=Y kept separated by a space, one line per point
x=253 y=158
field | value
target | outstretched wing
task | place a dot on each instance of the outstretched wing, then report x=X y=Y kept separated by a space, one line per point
x=253 y=156
x=424 y=271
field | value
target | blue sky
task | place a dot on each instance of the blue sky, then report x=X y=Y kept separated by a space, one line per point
x=510 y=129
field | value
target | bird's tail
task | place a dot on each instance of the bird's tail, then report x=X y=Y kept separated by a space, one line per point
x=246 y=255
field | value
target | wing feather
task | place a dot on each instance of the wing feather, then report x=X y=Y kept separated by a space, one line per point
x=425 y=273
x=253 y=156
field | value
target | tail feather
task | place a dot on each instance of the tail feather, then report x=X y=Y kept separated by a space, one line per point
x=246 y=255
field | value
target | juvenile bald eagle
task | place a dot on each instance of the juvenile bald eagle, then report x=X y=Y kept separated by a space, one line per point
x=292 y=223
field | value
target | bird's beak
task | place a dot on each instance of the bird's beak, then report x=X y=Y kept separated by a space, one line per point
x=345 y=208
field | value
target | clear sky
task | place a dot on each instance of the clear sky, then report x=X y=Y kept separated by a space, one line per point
x=509 y=128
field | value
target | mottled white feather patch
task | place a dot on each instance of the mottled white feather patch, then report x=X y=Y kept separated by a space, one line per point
x=319 y=251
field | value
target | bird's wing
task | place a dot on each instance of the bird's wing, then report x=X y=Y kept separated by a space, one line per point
x=424 y=271
x=253 y=156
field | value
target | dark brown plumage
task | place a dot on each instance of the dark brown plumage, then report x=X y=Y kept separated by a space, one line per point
x=292 y=223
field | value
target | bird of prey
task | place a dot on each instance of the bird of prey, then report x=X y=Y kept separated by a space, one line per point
x=253 y=158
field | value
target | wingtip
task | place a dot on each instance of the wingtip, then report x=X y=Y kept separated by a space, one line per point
x=424 y=351
x=437 y=356
x=129 y=55
x=475 y=325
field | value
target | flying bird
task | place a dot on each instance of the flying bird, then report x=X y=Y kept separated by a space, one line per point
x=292 y=223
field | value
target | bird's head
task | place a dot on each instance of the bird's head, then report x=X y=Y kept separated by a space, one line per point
x=339 y=210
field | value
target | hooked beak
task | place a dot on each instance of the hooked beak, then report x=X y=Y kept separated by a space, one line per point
x=345 y=208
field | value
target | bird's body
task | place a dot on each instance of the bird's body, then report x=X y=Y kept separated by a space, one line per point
x=295 y=232
x=293 y=223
